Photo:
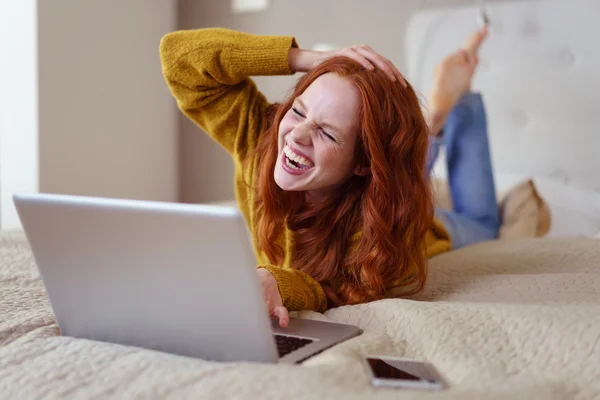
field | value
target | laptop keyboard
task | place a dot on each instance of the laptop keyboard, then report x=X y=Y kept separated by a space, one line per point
x=287 y=344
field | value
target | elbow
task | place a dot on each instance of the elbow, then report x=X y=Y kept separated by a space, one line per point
x=175 y=45
x=170 y=49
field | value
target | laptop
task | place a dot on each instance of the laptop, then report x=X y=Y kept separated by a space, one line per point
x=177 y=278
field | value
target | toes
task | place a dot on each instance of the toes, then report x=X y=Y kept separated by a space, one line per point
x=474 y=42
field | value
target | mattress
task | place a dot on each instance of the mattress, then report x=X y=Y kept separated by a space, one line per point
x=506 y=319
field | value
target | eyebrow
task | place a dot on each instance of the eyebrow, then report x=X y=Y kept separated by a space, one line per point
x=322 y=124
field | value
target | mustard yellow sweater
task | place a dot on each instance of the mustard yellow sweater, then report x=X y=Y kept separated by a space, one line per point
x=208 y=72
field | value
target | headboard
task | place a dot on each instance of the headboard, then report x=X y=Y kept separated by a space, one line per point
x=540 y=77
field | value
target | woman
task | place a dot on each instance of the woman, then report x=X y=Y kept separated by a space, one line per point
x=333 y=182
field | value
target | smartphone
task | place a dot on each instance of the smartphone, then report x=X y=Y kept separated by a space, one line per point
x=482 y=17
x=400 y=372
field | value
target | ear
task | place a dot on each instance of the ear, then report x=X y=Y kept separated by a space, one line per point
x=362 y=171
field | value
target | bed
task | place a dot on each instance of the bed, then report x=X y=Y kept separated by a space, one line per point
x=517 y=318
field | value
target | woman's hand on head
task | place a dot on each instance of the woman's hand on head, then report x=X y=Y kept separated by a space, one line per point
x=305 y=60
x=272 y=297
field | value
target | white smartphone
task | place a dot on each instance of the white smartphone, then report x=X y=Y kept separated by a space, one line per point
x=401 y=372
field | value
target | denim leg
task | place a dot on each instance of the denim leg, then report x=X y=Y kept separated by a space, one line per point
x=475 y=217
x=432 y=152
x=464 y=231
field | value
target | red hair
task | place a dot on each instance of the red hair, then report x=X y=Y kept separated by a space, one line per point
x=391 y=207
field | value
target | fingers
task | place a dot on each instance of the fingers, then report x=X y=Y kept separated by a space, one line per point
x=401 y=78
x=282 y=314
x=383 y=63
x=278 y=311
x=474 y=41
x=358 y=57
x=379 y=61
x=272 y=297
x=369 y=59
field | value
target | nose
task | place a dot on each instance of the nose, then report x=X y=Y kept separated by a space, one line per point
x=302 y=134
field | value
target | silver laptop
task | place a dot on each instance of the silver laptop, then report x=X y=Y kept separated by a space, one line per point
x=171 y=277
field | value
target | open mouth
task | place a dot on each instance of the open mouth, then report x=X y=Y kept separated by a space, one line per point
x=295 y=161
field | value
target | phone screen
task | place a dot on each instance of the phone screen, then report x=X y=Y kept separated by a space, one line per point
x=401 y=370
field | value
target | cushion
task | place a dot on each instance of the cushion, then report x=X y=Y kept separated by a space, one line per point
x=575 y=209
x=524 y=213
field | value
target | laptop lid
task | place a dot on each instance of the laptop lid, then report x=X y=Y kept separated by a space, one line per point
x=172 y=277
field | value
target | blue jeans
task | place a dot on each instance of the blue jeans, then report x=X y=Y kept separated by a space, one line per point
x=475 y=216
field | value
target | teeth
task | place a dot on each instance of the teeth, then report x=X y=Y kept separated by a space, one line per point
x=289 y=164
x=296 y=158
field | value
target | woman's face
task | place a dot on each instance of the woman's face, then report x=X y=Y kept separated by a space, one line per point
x=317 y=138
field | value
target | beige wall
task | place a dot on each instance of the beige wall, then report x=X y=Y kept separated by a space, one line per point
x=108 y=124
x=206 y=171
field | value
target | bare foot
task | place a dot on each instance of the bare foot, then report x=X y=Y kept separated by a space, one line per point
x=474 y=41
x=452 y=79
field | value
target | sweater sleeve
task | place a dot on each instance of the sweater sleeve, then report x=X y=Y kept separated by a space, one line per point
x=298 y=290
x=208 y=70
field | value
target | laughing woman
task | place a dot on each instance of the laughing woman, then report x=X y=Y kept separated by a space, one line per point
x=333 y=182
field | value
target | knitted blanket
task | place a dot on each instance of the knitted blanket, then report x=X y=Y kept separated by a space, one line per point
x=509 y=319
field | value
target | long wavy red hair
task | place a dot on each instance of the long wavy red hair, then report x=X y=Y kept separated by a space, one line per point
x=391 y=207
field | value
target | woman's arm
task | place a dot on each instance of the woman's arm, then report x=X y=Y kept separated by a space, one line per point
x=208 y=70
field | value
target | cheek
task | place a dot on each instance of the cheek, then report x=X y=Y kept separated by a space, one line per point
x=286 y=125
x=336 y=160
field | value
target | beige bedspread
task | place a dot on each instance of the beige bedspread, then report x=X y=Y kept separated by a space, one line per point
x=501 y=320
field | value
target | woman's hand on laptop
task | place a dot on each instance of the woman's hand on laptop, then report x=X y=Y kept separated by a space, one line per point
x=272 y=296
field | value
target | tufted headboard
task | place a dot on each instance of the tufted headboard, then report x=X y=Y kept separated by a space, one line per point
x=540 y=77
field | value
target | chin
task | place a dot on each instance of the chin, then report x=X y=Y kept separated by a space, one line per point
x=286 y=181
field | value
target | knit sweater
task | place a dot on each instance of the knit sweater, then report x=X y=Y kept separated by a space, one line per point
x=208 y=72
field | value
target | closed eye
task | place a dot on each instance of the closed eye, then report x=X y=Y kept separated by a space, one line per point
x=328 y=136
x=298 y=113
